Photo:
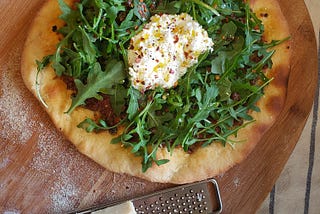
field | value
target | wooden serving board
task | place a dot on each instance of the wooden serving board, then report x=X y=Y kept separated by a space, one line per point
x=41 y=172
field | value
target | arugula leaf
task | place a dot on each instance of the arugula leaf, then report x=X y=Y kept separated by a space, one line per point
x=89 y=125
x=69 y=16
x=170 y=7
x=89 y=50
x=224 y=89
x=40 y=66
x=127 y=23
x=97 y=82
x=118 y=98
x=57 y=59
x=133 y=107
x=203 y=4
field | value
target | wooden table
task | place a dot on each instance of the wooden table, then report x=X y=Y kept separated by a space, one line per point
x=40 y=172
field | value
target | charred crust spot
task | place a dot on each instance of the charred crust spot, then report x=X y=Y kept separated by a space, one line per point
x=280 y=74
x=275 y=104
x=264 y=15
x=261 y=128
x=54 y=28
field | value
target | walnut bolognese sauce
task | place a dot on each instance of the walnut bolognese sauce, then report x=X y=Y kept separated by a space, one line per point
x=103 y=107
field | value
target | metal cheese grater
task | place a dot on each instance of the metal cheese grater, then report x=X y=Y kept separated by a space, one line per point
x=200 y=197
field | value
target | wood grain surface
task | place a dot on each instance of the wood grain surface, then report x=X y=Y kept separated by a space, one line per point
x=41 y=172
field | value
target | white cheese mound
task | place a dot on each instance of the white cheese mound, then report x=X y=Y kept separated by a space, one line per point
x=124 y=208
x=163 y=51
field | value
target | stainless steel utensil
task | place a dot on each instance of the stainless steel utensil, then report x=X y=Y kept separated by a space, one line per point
x=200 y=197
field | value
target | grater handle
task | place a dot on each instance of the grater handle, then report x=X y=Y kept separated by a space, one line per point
x=121 y=208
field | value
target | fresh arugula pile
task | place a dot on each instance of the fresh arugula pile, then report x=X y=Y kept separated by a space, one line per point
x=209 y=104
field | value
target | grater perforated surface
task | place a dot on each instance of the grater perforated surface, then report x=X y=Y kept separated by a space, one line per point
x=203 y=197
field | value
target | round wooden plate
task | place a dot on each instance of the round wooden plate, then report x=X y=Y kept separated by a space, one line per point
x=40 y=172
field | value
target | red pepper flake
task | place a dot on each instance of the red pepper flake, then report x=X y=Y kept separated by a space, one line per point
x=130 y=3
x=171 y=71
x=141 y=13
x=138 y=59
x=144 y=8
x=175 y=38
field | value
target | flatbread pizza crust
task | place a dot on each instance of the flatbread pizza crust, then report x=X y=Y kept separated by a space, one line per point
x=183 y=167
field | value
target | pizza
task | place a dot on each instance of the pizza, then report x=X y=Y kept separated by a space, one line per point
x=168 y=91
